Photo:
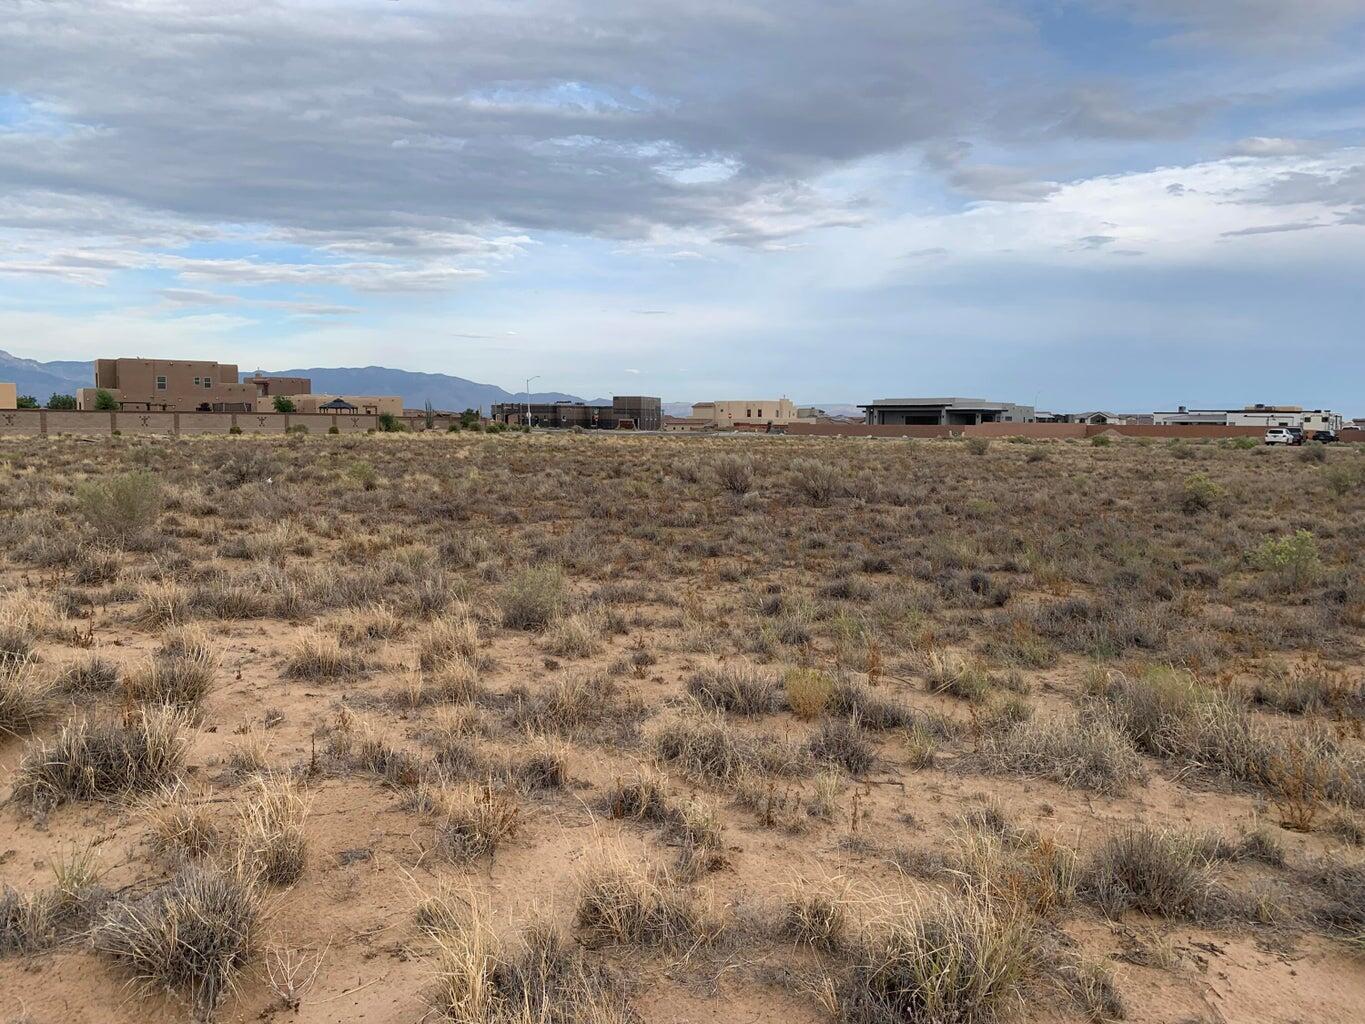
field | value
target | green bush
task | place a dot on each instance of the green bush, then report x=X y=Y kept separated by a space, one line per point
x=123 y=508
x=533 y=598
x=388 y=423
x=26 y=402
x=1294 y=558
x=62 y=401
x=1341 y=480
x=978 y=445
x=1101 y=441
x=1200 y=494
x=283 y=403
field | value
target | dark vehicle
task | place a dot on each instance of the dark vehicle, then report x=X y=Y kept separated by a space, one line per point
x=1325 y=436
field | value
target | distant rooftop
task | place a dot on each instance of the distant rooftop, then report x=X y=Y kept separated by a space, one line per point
x=951 y=403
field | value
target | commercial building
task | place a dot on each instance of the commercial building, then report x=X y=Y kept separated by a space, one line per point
x=626 y=412
x=775 y=412
x=169 y=385
x=9 y=396
x=943 y=412
x=1252 y=416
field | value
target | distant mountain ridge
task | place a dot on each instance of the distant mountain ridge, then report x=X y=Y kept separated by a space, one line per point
x=43 y=379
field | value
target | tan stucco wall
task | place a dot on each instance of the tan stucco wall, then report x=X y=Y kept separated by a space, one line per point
x=391 y=404
x=756 y=410
x=209 y=422
x=145 y=422
x=9 y=395
x=250 y=422
x=63 y=422
x=24 y=422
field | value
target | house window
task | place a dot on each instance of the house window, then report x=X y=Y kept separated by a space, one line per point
x=161 y=383
x=760 y=412
x=197 y=381
x=208 y=382
x=748 y=414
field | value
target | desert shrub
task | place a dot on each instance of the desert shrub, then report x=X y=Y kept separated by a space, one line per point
x=318 y=655
x=944 y=959
x=541 y=976
x=474 y=823
x=179 y=826
x=1200 y=494
x=708 y=747
x=162 y=604
x=91 y=674
x=621 y=902
x=1154 y=871
x=978 y=446
x=739 y=688
x=1090 y=984
x=1341 y=480
x=1155 y=709
x=842 y=742
x=191 y=936
x=91 y=759
x=574 y=636
x=1293 y=560
x=533 y=598
x=1342 y=886
x=808 y=691
x=25 y=699
x=1089 y=755
x=957 y=676
x=451 y=639
x=818 y=919
x=121 y=509
x=573 y=702
x=26 y=924
x=734 y=473
x=1313 y=452
x=272 y=842
x=817 y=482
x=179 y=676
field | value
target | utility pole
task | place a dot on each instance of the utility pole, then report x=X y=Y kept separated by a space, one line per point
x=528 y=397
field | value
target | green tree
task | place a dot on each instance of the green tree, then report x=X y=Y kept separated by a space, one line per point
x=104 y=401
x=61 y=402
x=283 y=403
x=26 y=402
x=469 y=418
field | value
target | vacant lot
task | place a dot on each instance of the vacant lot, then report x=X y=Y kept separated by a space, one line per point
x=591 y=729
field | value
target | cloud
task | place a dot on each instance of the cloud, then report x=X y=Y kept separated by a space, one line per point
x=1260 y=145
x=1274 y=229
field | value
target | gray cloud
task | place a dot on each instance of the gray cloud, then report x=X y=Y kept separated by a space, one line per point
x=1274 y=229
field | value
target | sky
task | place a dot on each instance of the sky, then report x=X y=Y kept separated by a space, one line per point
x=1079 y=204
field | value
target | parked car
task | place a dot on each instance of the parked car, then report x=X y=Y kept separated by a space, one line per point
x=1284 y=435
x=1325 y=436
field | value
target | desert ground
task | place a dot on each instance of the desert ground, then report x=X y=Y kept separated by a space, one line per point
x=592 y=728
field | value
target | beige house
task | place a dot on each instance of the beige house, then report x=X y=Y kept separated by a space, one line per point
x=169 y=385
x=757 y=411
x=9 y=396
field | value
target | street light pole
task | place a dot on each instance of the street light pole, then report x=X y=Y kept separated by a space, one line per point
x=528 y=397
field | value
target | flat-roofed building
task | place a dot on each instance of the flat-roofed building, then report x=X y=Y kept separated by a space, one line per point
x=270 y=388
x=635 y=412
x=759 y=411
x=1252 y=416
x=169 y=385
x=9 y=395
x=943 y=412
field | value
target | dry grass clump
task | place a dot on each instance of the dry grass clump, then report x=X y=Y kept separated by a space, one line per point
x=1075 y=751
x=543 y=766
x=572 y=702
x=945 y=958
x=91 y=759
x=709 y=748
x=819 y=483
x=740 y=688
x=626 y=903
x=453 y=639
x=956 y=676
x=818 y=919
x=474 y=821
x=540 y=977
x=842 y=742
x=35 y=921
x=180 y=826
x=318 y=655
x=1155 y=871
x=694 y=824
x=179 y=676
x=89 y=675
x=162 y=604
x=533 y=598
x=808 y=691
x=1090 y=983
x=191 y=937
x=575 y=636
x=25 y=699
x=271 y=841
x=1342 y=887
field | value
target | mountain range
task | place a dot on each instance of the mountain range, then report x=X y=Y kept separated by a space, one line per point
x=59 y=376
